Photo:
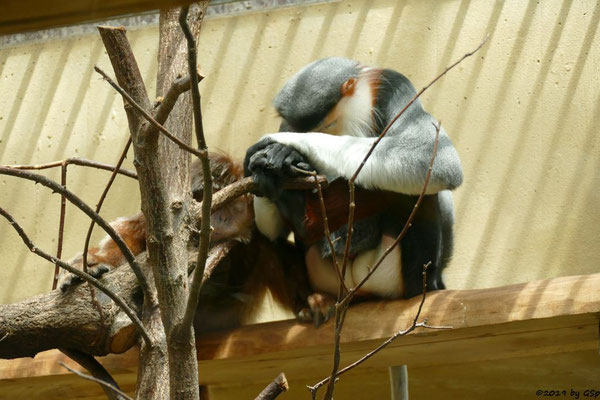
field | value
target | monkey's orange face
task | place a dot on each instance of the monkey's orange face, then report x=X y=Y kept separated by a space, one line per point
x=233 y=221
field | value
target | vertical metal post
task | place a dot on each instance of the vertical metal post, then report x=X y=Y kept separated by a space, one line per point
x=399 y=382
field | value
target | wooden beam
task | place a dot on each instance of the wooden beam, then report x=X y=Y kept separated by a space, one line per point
x=534 y=319
x=27 y=15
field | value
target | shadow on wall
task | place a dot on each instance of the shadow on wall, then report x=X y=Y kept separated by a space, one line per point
x=535 y=139
x=523 y=114
x=542 y=218
x=58 y=109
x=519 y=114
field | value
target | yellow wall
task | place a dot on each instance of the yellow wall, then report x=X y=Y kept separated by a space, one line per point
x=523 y=114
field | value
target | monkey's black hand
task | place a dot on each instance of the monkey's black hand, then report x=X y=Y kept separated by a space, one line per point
x=270 y=163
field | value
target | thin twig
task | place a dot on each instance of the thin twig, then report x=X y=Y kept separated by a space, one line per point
x=193 y=72
x=411 y=101
x=86 y=245
x=95 y=369
x=216 y=254
x=349 y=232
x=101 y=201
x=343 y=303
x=205 y=229
x=340 y=317
x=75 y=161
x=396 y=335
x=178 y=87
x=275 y=388
x=326 y=230
x=63 y=180
x=84 y=276
x=341 y=306
x=61 y=222
x=147 y=116
x=76 y=201
x=408 y=223
x=91 y=378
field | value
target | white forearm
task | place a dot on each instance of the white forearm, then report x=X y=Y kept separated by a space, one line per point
x=390 y=167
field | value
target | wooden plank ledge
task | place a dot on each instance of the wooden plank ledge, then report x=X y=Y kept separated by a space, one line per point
x=524 y=320
x=27 y=15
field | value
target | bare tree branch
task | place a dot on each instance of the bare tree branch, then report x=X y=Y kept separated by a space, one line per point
x=101 y=382
x=101 y=201
x=129 y=77
x=247 y=185
x=275 y=388
x=84 y=276
x=340 y=316
x=92 y=223
x=178 y=87
x=407 y=224
x=88 y=236
x=328 y=232
x=97 y=371
x=410 y=102
x=342 y=305
x=163 y=171
x=75 y=161
x=75 y=200
x=63 y=180
x=395 y=336
x=193 y=73
x=185 y=329
x=147 y=116
x=61 y=223
x=404 y=332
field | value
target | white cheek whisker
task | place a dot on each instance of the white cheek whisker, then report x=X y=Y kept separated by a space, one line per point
x=356 y=111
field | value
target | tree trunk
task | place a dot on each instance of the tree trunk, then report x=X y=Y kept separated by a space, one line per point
x=163 y=175
x=167 y=365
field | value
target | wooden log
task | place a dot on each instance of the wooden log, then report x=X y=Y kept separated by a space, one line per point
x=69 y=320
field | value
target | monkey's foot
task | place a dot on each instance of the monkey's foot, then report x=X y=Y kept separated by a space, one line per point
x=71 y=279
x=322 y=308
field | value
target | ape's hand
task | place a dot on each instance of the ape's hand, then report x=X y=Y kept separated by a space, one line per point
x=270 y=163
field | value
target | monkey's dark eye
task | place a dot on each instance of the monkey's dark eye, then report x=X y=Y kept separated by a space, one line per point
x=310 y=121
x=330 y=125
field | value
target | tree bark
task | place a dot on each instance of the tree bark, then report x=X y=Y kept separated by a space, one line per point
x=70 y=320
x=171 y=281
x=163 y=175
